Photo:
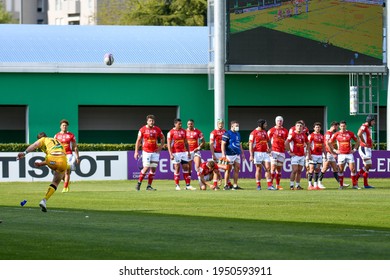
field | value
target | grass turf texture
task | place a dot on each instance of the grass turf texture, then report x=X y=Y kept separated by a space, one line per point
x=167 y=224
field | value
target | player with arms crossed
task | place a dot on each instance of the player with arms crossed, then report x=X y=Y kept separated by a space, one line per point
x=179 y=153
x=208 y=171
x=317 y=149
x=68 y=141
x=344 y=153
x=277 y=135
x=55 y=159
x=297 y=146
x=259 y=153
x=365 y=149
x=148 y=136
x=196 y=142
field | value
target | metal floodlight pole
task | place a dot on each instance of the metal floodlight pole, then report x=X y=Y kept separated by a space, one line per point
x=219 y=60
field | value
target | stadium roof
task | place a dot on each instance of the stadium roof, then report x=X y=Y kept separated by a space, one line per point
x=76 y=48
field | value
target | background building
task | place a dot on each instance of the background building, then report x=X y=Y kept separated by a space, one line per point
x=72 y=12
x=28 y=11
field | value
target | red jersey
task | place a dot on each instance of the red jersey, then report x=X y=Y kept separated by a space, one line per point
x=366 y=133
x=177 y=137
x=327 y=137
x=259 y=140
x=316 y=141
x=297 y=143
x=305 y=130
x=205 y=170
x=343 y=140
x=67 y=140
x=277 y=137
x=216 y=139
x=193 y=137
x=149 y=138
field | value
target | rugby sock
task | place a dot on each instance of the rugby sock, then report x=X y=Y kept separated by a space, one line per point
x=176 y=177
x=316 y=176
x=187 y=178
x=215 y=183
x=269 y=182
x=341 y=180
x=150 y=178
x=50 y=191
x=354 y=180
x=258 y=183
x=336 y=176
x=141 y=177
x=66 y=184
x=365 y=178
x=277 y=178
x=320 y=176
x=310 y=178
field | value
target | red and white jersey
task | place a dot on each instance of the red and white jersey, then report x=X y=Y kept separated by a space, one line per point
x=150 y=138
x=177 y=138
x=193 y=137
x=327 y=137
x=277 y=137
x=297 y=143
x=343 y=140
x=216 y=139
x=316 y=141
x=305 y=130
x=205 y=170
x=366 y=133
x=259 y=140
x=67 y=140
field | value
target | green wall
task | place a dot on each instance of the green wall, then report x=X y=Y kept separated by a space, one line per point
x=53 y=96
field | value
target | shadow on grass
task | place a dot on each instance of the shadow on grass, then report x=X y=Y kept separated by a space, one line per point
x=27 y=233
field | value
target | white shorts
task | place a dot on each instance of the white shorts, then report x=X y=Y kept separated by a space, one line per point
x=277 y=157
x=316 y=159
x=207 y=178
x=260 y=157
x=147 y=158
x=365 y=153
x=298 y=160
x=71 y=158
x=330 y=157
x=195 y=154
x=218 y=155
x=234 y=158
x=181 y=157
x=345 y=158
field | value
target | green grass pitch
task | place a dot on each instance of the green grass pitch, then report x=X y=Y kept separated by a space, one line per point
x=109 y=220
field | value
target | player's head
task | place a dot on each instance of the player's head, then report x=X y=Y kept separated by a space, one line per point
x=210 y=164
x=190 y=124
x=41 y=134
x=303 y=122
x=279 y=120
x=370 y=120
x=298 y=126
x=220 y=123
x=235 y=126
x=262 y=123
x=334 y=125
x=343 y=125
x=150 y=120
x=317 y=126
x=64 y=125
x=177 y=123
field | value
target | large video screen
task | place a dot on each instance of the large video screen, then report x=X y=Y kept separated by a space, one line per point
x=302 y=32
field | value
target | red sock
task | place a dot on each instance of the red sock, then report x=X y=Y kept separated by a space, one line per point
x=341 y=180
x=187 y=178
x=150 y=178
x=215 y=183
x=66 y=184
x=277 y=176
x=176 y=177
x=269 y=183
x=365 y=178
x=141 y=177
x=354 y=180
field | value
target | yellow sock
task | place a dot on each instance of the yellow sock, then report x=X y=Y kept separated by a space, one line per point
x=50 y=191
